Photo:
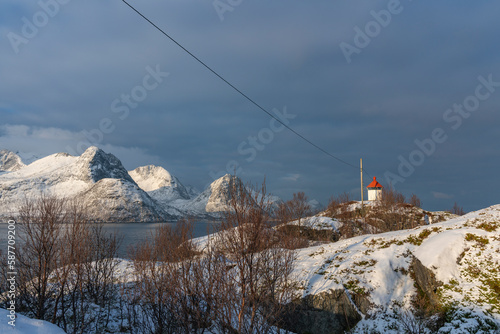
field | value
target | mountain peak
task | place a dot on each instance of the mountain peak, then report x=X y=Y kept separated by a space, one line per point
x=159 y=183
x=10 y=161
x=96 y=165
x=219 y=193
x=152 y=177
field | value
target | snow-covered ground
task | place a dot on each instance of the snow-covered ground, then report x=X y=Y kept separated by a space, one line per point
x=318 y=223
x=463 y=253
x=25 y=325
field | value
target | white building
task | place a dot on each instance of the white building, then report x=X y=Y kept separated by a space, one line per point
x=374 y=190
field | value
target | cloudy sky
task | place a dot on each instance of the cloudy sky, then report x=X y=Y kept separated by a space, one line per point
x=412 y=87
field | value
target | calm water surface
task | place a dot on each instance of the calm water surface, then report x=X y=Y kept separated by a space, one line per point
x=132 y=233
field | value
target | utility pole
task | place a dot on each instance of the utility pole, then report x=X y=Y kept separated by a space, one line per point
x=361 y=171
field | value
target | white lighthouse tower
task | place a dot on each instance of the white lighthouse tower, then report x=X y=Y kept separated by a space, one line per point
x=374 y=190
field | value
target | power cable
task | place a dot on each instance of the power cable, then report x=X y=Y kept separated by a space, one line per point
x=238 y=90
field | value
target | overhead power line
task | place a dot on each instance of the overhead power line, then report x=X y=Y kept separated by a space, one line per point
x=238 y=90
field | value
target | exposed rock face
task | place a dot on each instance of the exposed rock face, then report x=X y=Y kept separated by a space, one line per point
x=327 y=313
x=9 y=161
x=426 y=281
x=94 y=165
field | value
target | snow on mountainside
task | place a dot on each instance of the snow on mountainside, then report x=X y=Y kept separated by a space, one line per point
x=210 y=202
x=13 y=161
x=187 y=202
x=64 y=175
x=119 y=200
x=10 y=161
x=159 y=184
x=180 y=201
x=388 y=280
x=148 y=193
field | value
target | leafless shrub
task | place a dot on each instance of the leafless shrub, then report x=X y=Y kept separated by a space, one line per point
x=65 y=263
x=40 y=223
x=338 y=206
x=100 y=264
x=175 y=289
x=239 y=284
x=415 y=201
x=299 y=207
x=410 y=323
x=259 y=283
x=457 y=210
x=391 y=198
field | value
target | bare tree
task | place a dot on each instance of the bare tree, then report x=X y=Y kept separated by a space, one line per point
x=40 y=223
x=299 y=206
x=239 y=283
x=168 y=290
x=65 y=263
x=457 y=210
x=391 y=198
x=415 y=201
x=258 y=281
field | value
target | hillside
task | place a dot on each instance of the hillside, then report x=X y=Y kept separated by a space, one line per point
x=438 y=278
x=441 y=278
x=450 y=268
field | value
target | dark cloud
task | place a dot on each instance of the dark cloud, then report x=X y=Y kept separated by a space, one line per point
x=285 y=54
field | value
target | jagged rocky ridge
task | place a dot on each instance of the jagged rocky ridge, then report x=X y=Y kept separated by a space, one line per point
x=98 y=178
x=148 y=193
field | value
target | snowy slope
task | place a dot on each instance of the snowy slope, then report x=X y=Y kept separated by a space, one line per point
x=148 y=193
x=318 y=223
x=213 y=200
x=159 y=184
x=13 y=161
x=180 y=201
x=463 y=253
x=25 y=325
x=10 y=161
x=67 y=176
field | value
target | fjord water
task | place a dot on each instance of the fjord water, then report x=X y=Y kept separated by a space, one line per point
x=131 y=233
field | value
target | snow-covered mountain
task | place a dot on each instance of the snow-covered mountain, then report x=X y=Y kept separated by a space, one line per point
x=13 y=161
x=10 y=161
x=98 y=177
x=213 y=200
x=148 y=193
x=179 y=200
x=159 y=184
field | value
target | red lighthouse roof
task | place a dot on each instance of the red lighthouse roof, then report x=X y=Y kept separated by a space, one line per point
x=374 y=184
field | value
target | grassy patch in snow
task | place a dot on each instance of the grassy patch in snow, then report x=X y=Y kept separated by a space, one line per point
x=480 y=241
x=488 y=226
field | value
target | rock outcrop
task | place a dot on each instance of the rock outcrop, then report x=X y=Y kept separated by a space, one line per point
x=329 y=312
x=426 y=281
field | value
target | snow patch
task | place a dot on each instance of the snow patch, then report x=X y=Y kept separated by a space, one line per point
x=25 y=325
x=441 y=251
